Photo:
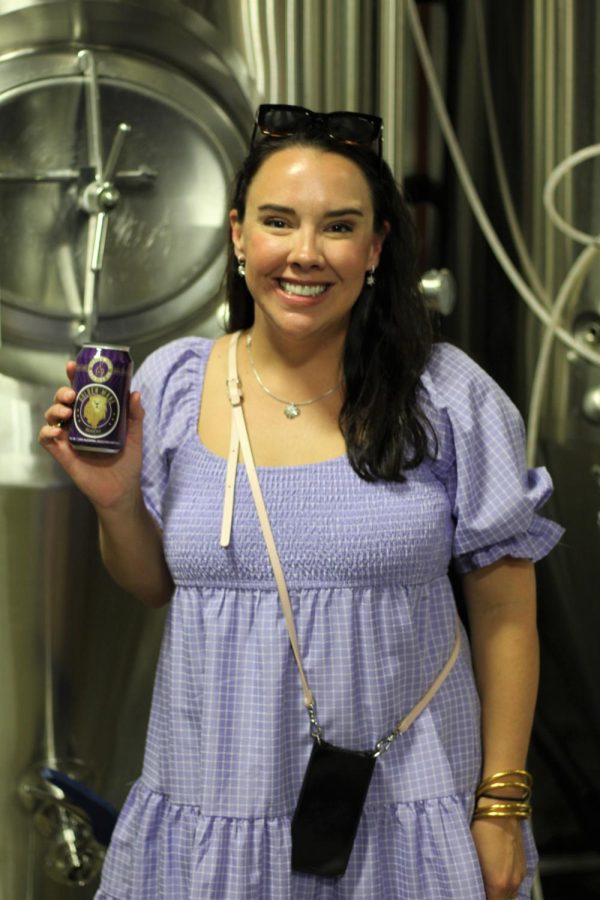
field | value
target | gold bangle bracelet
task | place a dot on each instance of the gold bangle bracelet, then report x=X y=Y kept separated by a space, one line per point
x=512 y=774
x=512 y=779
x=503 y=810
x=483 y=789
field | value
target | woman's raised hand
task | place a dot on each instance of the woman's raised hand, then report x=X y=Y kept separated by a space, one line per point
x=108 y=480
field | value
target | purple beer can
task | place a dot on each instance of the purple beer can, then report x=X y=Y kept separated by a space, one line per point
x=102 y=381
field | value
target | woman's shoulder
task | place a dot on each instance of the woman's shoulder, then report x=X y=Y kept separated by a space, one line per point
x=178 y=352
x=177 y=358
x=170 y=381
x=452 y=378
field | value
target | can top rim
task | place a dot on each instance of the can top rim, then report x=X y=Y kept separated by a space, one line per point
x=104 y=347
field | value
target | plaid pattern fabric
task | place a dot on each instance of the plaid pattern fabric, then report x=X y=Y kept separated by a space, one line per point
x=366 y=566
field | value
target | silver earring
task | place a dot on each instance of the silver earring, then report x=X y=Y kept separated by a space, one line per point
x=241 y=269
x=370 y=279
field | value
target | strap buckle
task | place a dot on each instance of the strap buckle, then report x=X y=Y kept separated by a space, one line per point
x=385 y=743
x=315 y=729
x=234 y=389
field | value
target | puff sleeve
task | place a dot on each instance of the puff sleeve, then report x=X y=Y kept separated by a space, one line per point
x=169 y=383
x=494 y=498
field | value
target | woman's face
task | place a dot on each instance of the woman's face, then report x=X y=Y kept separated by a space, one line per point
x=307 y=240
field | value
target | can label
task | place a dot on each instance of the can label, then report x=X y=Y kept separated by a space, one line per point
x=102 y=380
x=100 y=369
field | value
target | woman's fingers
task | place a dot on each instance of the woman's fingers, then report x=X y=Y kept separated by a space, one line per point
x=58 y=414
x=65 y=395
x=50 y=435
x=136 y=410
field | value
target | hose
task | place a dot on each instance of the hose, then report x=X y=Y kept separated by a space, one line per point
x=474 y=200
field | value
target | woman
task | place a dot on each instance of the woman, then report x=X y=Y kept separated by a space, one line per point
x=382 y=460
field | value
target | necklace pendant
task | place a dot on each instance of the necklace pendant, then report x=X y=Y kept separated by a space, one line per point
x=291 y=411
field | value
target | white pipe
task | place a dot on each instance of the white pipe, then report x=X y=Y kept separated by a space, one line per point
x=472 y=196
x=574 y=277
x=554 y=179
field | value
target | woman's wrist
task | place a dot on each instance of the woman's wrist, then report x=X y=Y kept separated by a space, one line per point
x=505 y=794
x=130 y=503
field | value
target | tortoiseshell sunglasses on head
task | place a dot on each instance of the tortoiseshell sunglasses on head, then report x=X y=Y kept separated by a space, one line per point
x=278 y=120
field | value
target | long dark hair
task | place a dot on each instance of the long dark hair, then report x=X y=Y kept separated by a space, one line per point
x=389 y=336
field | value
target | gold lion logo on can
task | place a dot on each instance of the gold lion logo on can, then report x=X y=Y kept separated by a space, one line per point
x=100 y=369
x=96 y=411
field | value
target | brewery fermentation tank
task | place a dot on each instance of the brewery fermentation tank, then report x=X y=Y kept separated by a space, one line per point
x=121 y=125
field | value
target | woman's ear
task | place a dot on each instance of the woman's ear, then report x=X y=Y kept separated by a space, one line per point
x=378 y=241
x=237 y=237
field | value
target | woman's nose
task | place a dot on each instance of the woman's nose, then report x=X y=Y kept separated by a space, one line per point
x=306 y=249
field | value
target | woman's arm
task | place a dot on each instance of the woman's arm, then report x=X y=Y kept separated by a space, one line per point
x=132 y=551
x=130 y=540
x=501 y=606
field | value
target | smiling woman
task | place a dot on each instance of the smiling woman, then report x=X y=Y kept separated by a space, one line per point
x=347 y=240
x=382 y=462
x=308 y=241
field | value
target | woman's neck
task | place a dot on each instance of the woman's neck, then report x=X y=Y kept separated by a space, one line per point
x=296 y=352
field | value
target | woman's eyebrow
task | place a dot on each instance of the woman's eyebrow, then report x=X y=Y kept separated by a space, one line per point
x=275 y=207
x=334 y=213
x=347 y=211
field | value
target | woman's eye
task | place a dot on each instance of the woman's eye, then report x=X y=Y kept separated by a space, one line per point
x=275 y=223
x=341 y=228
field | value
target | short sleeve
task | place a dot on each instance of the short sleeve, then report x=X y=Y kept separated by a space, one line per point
x=481 y=460
x=170 y=383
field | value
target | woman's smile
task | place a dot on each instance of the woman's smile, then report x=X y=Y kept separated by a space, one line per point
x=302 y=294
x=302 y=289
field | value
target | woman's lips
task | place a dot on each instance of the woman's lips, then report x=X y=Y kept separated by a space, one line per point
x=301 y=293
x=303 y=288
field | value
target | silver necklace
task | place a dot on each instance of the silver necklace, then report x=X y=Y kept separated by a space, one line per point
x=292 y=410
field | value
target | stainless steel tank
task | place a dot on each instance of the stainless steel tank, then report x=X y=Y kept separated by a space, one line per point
x=121 y=124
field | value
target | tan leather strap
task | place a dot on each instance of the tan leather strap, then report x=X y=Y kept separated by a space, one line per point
x=405 y=723
x=238 y=425
x=235 y=398
x=239 y=437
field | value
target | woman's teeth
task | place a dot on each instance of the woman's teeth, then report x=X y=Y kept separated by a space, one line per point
x=303 y=290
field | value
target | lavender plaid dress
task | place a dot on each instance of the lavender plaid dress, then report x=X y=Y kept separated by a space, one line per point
x=366 y=566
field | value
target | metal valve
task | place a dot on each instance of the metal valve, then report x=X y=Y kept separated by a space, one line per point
x=438 y=286
x=75 y=820
x=591 y=405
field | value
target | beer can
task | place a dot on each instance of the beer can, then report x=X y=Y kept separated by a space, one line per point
x=102 y=381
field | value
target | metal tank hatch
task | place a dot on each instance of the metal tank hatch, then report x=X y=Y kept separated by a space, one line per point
x=121 y=125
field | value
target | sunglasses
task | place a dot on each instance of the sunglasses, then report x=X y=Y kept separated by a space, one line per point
x=278 y=120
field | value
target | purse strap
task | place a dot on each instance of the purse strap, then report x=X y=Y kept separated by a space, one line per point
x=239 y=438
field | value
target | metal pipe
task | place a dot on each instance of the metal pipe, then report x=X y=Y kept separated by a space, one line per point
x=87 y=65
x=392 y=29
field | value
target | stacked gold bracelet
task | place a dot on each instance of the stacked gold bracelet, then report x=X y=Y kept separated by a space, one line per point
x=519 y=782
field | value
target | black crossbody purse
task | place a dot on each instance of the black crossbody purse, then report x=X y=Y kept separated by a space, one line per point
x=329 y=808
x=336 y=781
